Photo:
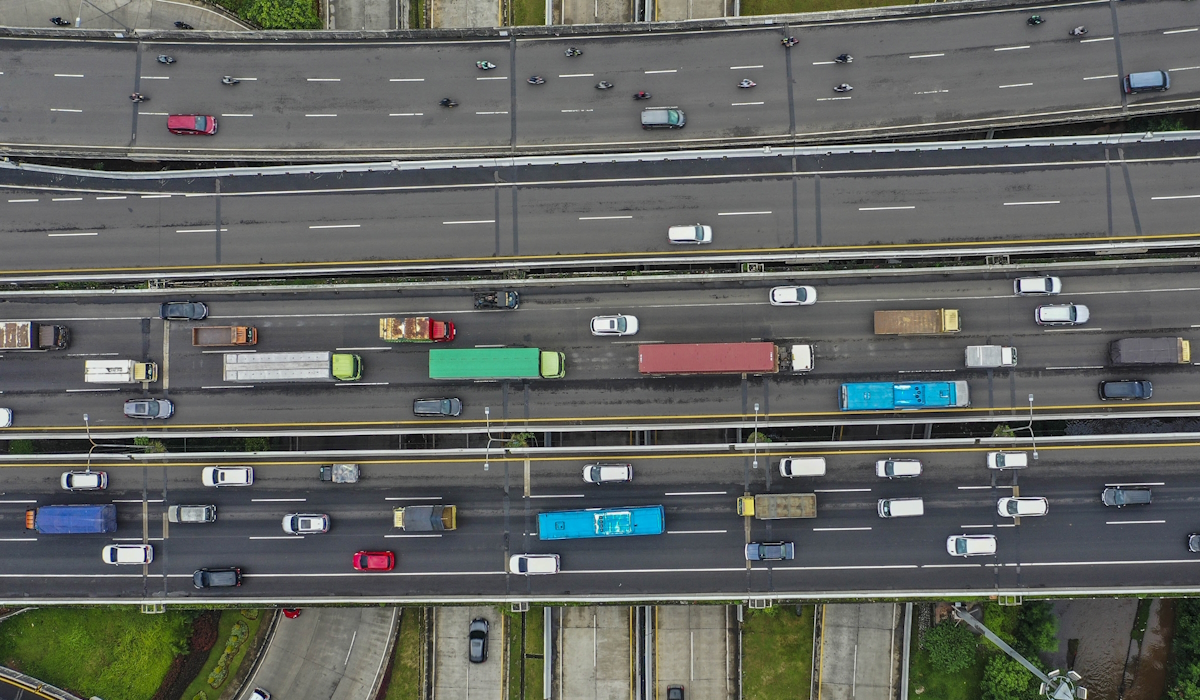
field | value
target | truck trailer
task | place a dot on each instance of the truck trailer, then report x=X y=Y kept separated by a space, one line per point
x=72 y=520
x=1150 y=351
x=907 y=396
x=777 y=506
x=991 y=356
x=723 y=358
x=224 y=336
x=29 y=336
x=917 y=322
x=292 y=367
x=418 y=329
x=425 y=518
x=496 y=363
x=119 y=371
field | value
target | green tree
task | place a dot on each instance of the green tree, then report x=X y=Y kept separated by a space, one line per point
x=283 y=14
x=1002 y=620
x=1037 y=627
x=951 y=646
x=1005 y=678
x=1187 y=684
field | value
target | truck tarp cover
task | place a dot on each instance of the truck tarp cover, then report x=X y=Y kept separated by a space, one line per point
x=423 y=518
x=707 y=358
x=65 y=520
x=404 y=328
x=1145 y=351
x=15 y=335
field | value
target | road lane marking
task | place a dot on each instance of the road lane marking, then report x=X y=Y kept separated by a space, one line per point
x=1135 y=522
x=653 y=72
x=66 y=199
x=971 y=488
x=496 y=112
x=98 y=199
x=576 y=75
x=155 y=196
x=1174 y=196
x=695 y=493
x=885 y=208
x=230 y=386
x=1101 y=77
x=67 y=235
x=1029 y=204
x=349 y=384
x=21 y=201
x=324 y=80
x=469 y=221
x=277 y=537
x=406 y=80
x=409 y=536
x=156 y=77
x=1140 y=483
x=278 y=500
x=1079 y=367
x=745 y=104
x=1176 y=70
x=1012 y=48
x=68 y=75
x=375 y=347
x=320 y=115
x=336 y=226
x=137 y=500
x=927 y=55
x=1069 y=330
x=954 y=566
x=831 y=99
x=18 y=539
x=839 y=529
x=603 y=218
x=696 y=532
x=743 y=67
x=1088 y=41
x=1015 y=85
x=493 y=77
x=1180 y=31
x=559 y=495
x=199 y=230
x=930 y=92
x=574 y=111
x=823 y=63
x=57 y=109
x=742 y=213
x=407 y=114
x=413 y=498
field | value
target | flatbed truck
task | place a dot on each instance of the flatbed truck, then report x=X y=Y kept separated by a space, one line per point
x=425 y=518
x=291 y=367
x=30 y=336
x=777 y=506
x=917 y=322
x=416 y=329
x=224 y=336
x=1150 y=351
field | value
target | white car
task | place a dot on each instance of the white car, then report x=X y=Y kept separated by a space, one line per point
x=1027 y=286
x=5 y=417
x=696 y=233
x=227 y=476
x=1061 y=315
x=793 y=296
x=1022 y=506
x=533 y=564
x=84 y=481
x=607 y=473
x=898 y=468
x=971 y=545
x=614 y=325
x=305 y=523
x=127 y=554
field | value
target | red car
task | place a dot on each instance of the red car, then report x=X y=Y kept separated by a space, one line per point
x=291 y=614
x=191 y=124
x=374 y=561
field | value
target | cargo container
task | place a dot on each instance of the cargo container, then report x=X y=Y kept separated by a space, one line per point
x=496 y=363
x=119 y=371
x=916 y=322
x=777 y=506
x=908 y=396
x=1150 y=351
x=723 y=358
x=72 y=520
x=29 y=336
x=991 y=356
x=418 y=329
x=425 y=518
x=224 y=336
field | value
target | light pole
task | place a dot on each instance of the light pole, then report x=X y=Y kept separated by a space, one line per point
x=754 y=436
x=487 y=451
x=1031 y=437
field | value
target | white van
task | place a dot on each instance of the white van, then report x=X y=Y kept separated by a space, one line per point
x=894 y=468
x=696 y=234
x=901 y=507
x=533 y=564
x=1007 y=460
x=802 y=466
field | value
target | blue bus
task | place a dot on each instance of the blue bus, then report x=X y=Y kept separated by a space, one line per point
x=907 y=396
x=600 y=522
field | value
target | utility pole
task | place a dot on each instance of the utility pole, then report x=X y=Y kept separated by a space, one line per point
x=1054 y=685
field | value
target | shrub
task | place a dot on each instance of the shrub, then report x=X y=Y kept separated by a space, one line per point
x=951 y=646
x=1005 y=678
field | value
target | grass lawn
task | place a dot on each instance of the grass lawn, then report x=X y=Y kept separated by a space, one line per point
x=778 y=646
x=527 y=13
x=116 y=653
x=228 y=618
x=928 y=682
x=405 y=683
x=781 y=7
x=531 y=661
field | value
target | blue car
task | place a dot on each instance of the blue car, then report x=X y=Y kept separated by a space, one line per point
x=770 y=551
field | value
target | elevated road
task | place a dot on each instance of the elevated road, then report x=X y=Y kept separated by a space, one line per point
x=1080 y=546
x=327 y=100
x=809 y=206
x=602 y=389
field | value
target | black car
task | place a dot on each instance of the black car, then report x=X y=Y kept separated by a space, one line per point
x=217 y=578
x=1194 y=542
x=183 y=311
x=437 y=407
x=505 y=299
x=477 y=640
x=674 y=692
x=1126 y=390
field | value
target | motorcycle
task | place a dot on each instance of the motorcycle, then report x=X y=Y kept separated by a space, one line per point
x=572 y=52
x=183 y=25
x=1079 y=31
x=844 y=58
x=747 y=83
x=164 y=59
x=485 y=65
x=536 y=80
x=447 y=102
x=229 y=80
x=138 y=97
x=789 y=42
x=603 y=85
x=1034 y=20
x=59 y=22
x=641 y=95
x=844 y=87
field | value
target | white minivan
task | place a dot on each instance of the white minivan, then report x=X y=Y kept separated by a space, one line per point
x=802 y=466
x=897 y=468
x=696 y=234
x=901 y=507
x=533 y=564
x=1007 y=460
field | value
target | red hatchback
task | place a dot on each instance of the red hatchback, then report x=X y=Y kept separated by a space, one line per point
x=191 y=124
x=374 y=561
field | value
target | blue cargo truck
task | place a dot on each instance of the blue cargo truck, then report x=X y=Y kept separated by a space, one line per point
x=72 y=520
x=600 y=522
x=907 y=396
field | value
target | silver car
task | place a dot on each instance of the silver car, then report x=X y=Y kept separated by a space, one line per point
x=305 y=523
x=614 y=325
x=149 y=408
x=1061 y=315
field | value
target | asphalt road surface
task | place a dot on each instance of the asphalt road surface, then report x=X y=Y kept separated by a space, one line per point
x=1079 y=545
x=324 y=100
x=876 y=205
x=1059 y=365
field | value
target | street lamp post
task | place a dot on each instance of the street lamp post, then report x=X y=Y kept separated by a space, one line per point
x=754 y=436
x=1031 y=437
x=487 y=450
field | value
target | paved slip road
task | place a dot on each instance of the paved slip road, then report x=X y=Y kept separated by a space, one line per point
x=863 y=203
x=326 y=100
x=1061 y=367
x=847 y=549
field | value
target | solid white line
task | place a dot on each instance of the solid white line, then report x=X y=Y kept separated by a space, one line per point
x=406 y=80
x=1109 y=563
x=742 y=67
x=1176 y=70
x=696 y=532
x=930 y=92
x=845 y=568
x=1174 y=196
x=66 y=235
x=320 y=115
x=839 y=529
x=952 y=566
x=476 y=221
x=18 y=501
x=68 y=75
x=230 y=386
x=1135 y=522
x=1069 y=330
x=1180 y=31
x=18 y=539
x=199 y=230
x=1011 y=48
x=653 y=72
x=226 y=114
x=559 y=495
x=842 y=490
x=974 y=527
x=363 y=383
x=1088 y=41
x=370 y=347
x=1016 y=85
x=56 y=109
x=603 y=218
x=745 y=104
x=574 y=111
x=407 y=114
x=1080 y=367
x=336 y=226
x=278 y=500
x=324 y=80
x=695 y=493
x=577 y=75
x=831 y=99
x=823 y=63
x=1027 y=204
x=1100 y=77
x=155 y=196
x=493 y=112
x=1139 y=483
x=98 y=199
x=156 y=77
x=925 y=371
x=278 y=537
x=741 y=213
x=19 y=201
x=409 y=536
x=494 y=77
x=137 y=500
x=885 y=208
x=413 y=498
x=66 y=199
x=927 y=55
x=971 y=488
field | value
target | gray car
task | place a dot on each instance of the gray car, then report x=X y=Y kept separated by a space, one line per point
x=217 y=578
x=1126 y=390
x=770 y=551
x=192 y=514
x=1121 y=496
x=149 y=408
x=437 y=407
x=183 y=311
x=477 y=635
